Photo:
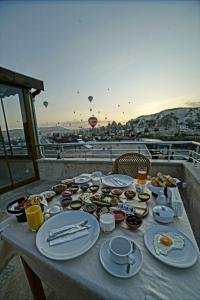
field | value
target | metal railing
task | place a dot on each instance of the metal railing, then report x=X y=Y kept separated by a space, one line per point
x=168 y=150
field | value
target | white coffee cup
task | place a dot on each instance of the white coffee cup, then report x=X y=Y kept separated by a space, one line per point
x=121 y=250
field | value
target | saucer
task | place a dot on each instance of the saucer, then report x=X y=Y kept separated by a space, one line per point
x=115 y=269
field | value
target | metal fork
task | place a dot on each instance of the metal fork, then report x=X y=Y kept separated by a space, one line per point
x=55 y=232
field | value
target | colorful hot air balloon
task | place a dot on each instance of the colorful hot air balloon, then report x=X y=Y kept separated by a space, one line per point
x=45 y=103
x=92 y=121
x=90 y=98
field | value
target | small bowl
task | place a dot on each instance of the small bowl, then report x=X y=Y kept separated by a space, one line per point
x=76 y=204
x=116 y=192
x=84 y=187
x=66 y=193
x=90 y=208
x=68 y=182
x=74 y=188
x=59 y=188
x=130 y=194
x=119 y=216
x=95 y=197
x=106 y=190
x=94 y=188
x=144 y=197
x=54 y=210
x=65 y=201
x=133 y=222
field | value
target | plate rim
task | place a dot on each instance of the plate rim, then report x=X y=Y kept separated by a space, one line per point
x=61 y=257
x=117 y=186
x=115 y=275
x=168 y=263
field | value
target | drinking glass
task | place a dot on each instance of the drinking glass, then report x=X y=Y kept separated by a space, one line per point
x=142 y=175
x=34 y=217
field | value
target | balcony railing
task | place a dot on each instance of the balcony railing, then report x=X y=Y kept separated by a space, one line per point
x=170 y=150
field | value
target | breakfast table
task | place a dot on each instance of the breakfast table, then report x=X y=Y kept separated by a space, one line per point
x=84 y=277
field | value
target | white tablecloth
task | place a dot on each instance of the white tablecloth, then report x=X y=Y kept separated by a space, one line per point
x=85 y=278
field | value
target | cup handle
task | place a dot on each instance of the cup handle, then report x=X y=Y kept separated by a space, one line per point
x=131 y=259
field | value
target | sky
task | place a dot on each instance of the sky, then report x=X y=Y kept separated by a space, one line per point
x=142 y=52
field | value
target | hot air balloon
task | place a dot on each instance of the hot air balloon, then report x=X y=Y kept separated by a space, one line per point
x=45 y=103
x=123 y=112
x=90 y=98
x=118 y=105
x=92 y=121
x=98 y=112
x=74 y=112
x=78 y=92
x=129 y=102
x=90 y=109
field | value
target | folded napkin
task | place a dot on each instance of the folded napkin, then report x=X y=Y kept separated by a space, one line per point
x=69 y=237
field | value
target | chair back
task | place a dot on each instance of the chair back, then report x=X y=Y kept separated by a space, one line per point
x=128 y=164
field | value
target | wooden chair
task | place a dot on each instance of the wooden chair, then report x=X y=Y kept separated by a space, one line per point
x=128 y=164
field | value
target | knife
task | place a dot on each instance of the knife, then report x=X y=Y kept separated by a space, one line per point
x=54 y=232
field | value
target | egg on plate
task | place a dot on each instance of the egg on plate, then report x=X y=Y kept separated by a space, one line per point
x=164 y=243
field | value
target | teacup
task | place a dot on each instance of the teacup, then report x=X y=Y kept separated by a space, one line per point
x=121 y=250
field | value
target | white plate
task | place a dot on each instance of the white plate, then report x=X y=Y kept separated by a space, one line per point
x=82 y=179
x=117 y=181
x=73 y=248
x=116 y=269
x=179 y=258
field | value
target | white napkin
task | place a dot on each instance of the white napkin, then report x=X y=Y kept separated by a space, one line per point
x=69 y=237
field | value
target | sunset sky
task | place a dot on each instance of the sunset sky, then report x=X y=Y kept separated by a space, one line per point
x=142 y=52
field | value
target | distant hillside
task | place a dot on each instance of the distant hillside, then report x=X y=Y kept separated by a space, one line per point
x=168 y=122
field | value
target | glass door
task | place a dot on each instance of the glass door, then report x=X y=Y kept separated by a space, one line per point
x=5 y=173
x=15 y=136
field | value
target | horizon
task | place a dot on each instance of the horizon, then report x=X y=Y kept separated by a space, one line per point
x=145 y=53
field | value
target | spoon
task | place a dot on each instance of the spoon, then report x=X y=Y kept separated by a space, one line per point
x=129 y=264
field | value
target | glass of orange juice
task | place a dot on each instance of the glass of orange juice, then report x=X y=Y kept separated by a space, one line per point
x=34 y=217
x=142 y=175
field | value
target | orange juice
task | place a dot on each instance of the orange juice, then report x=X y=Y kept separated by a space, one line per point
x=142 y=176
x=34 y=217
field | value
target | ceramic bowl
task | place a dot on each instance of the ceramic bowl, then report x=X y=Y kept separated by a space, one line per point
x=133 y=222
x=66 y=193
x=74 y=188
x=130 y=194
x=54 y=210
x=119 y=216
x=90 y=208
x=94 y=188
x=76 y=204
x=65 y=201
x=68 y=182
x=84 y=187
x=106 y=190
x=144 y=197
x=59 y=188
x=116 y=192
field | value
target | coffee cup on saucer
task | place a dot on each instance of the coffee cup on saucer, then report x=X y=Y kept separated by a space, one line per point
x=121 y=250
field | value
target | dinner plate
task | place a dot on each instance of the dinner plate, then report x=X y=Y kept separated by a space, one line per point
x=118 y=270
x=72 y=248
x=117 y=180
x=179 y=258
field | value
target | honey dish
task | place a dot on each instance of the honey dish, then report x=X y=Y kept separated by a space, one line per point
x=130 y=194
x=74 y=188
x=133 y=222
x=94 y=188
x=76 y=204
